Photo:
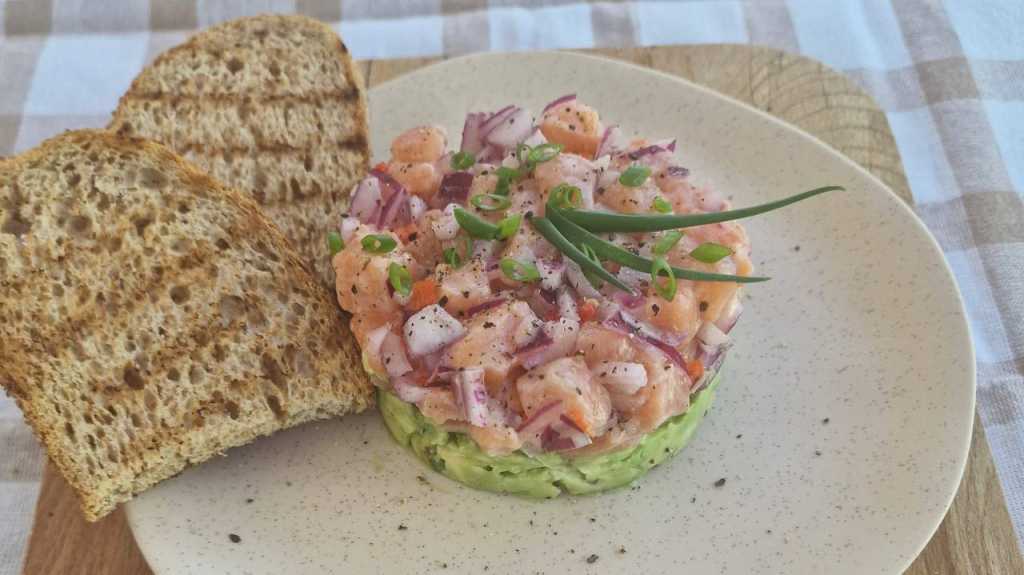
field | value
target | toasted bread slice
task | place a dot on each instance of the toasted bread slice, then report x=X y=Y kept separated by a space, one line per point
x=270 y=105
x=152 y=318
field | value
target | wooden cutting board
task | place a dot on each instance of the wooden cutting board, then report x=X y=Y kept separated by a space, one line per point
x=976 y=536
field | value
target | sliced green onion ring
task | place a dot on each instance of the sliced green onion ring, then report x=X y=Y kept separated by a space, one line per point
x=399 y=278
x=660 y=270
x=490 y=202
x=565 y=196
x=543 y=153
x=334 y=242
x=378 y=243
x=661 y=205
x=506 y=176
x=595 y=221
x=508 y=227
x=475 y=226
x=463 y=161
x=666 y=242
x=634 y=176
x=516 y=270
x=710 y=252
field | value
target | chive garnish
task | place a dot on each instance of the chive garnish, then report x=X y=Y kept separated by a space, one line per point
x=661 y=205
x=659 y=270
x=490 y=202
x=463 y=161
x=592 y=256
x=516 y=270
x=506 y=176
x=508 y=227
x=710 y=252
x=566 y=196
x=452 y=256
x=546 y=228
x=629 y=223
x=398 y=276
x=634 y=176
x=334 y=242
x=474 y=226
x=666 y=242
x=607 y=250
x=378 y=243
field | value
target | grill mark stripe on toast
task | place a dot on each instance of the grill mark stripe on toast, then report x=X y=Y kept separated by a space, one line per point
x=346 y=96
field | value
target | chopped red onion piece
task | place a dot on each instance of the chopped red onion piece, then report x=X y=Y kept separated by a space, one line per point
x=677 y=172
x=620 y=376
x=653 y=149
x=496 y=119
x=406 y=388
x=454 y=189
x=566 y=435
x=567 y=306
x=535 y=138
x=619 y=324
x=482 y=307
x=431 y=329
x=551 y=273
x=366 y=200
x=730 y=315
x=392 y=355
x=445 y=227
x=560 y=100
x=349 y=225
x=396 y=211
x=629 y=300
x=579 y=282
x=532 y=429
x=611 y=141
x=491 y=153
x=709 y=334
x=472 y=140
x=417 y=207
x=672 y=338
x=471 y=395
x=512 y=130
x=540 y=341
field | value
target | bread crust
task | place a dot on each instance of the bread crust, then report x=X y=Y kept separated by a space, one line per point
x=153 y=317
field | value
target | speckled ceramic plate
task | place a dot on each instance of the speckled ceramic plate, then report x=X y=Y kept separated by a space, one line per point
x=841 y=427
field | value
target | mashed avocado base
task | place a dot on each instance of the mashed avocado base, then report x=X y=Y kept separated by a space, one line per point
x=542 y=476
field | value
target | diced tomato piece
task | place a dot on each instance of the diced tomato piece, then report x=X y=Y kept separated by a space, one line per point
x=424 y=292
x=695 y=369
x=381 y=167
x=588 y=310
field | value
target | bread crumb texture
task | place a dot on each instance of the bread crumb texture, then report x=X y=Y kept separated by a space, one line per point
x=270 y=105
x=153 y=318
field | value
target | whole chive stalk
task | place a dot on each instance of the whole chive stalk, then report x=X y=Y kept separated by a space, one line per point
x=609 y=251
x=546 y=228
x=633 y=223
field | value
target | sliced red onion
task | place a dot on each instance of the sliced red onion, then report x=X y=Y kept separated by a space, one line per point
x=491 y=153
x=617 y=323
x=396 y=211
x=417 y=207
x=664 y=146
x=560 y=100
x=551 y=272
x=482 y=307
x=471 y=395
x=407 y=389
x=628 y=300
x=392 y=355
x=431 y=329
x=730 y=315
x=634 y=278
x=495 y=120
x=514 y=129
x=611 y=141
x=454 y=189
x=709 y=334
x=711 y=368
x=567 y=306
x=539 y=342
x=567 y=435
x=620 y=376
x=532 y=429
x=672 y=338
x=535 y=138
x=375 y=339
x=349 y=225
x=388 y=184
x=668 y=144
x=677 y=172
x=472 y=140
x=366 y=200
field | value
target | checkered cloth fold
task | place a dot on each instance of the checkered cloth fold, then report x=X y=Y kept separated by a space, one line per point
x=949 y=75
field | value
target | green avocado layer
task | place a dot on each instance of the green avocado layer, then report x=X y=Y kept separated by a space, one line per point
x=543 y=476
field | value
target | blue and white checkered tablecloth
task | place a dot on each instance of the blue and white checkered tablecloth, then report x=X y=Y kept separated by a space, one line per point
x=949 y=75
